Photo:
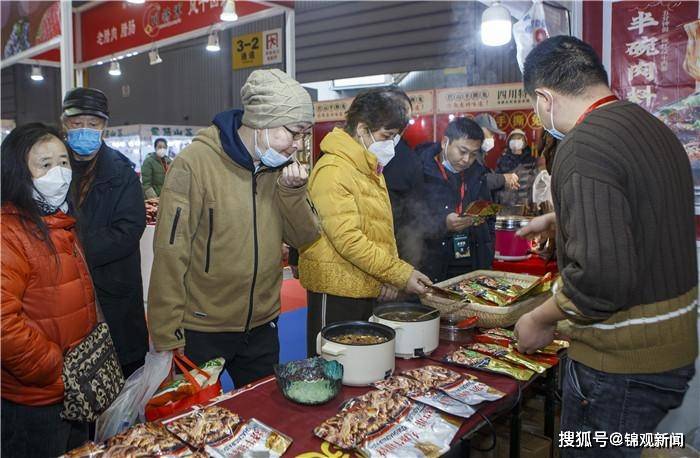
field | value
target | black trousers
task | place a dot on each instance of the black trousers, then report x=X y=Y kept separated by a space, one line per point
x=325 y=309
x=249 y=356
x=38 y=432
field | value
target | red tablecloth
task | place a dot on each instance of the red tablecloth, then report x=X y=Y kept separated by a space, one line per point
x=262 y=400
x=533 y=266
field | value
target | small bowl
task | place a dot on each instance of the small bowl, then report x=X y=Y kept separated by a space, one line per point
x=311 y=381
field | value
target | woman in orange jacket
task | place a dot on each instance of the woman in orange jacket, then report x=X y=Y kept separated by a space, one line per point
x=48 y=303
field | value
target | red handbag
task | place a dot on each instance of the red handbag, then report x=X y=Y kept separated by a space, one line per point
x=184 y=397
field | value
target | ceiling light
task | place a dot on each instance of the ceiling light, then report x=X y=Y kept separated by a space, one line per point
x=228 y=14
x=496 y=25
x=136 y=2
x=213 y=42
x=362 y=82
x=154 y=57
x=114 y=69
x=99 y=62
x=37 y=75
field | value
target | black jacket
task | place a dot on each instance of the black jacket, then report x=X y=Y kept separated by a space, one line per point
x=441 y=198
x=404 y=181
x=111 y=222
x=525 y=166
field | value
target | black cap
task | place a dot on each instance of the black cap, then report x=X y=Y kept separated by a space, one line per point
x=85 y=101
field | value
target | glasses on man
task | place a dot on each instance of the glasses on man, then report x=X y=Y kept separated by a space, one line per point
x=297 y=135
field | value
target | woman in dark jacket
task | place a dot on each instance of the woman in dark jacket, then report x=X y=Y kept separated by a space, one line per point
x=454 y=244
x=517 y=159
x=108 y=200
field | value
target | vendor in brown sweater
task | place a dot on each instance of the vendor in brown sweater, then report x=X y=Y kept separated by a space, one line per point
x=627 y=296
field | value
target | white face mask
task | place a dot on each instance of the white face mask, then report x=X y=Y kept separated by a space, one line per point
x=52 y=188
x=488 y=144
x=384 y=150
x=160 y=152
x=397 y=139
x=516 y=145
x=445 y=162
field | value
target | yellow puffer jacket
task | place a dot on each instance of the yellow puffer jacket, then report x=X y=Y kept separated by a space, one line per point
x=357 y=249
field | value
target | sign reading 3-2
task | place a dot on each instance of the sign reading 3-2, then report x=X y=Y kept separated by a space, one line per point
x=247 y=50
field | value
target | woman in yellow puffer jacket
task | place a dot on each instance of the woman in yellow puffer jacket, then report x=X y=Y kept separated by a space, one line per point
x=355 y=262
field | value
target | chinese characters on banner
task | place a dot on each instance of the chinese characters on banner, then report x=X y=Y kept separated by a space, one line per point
x=649 y=44
x=510 y=106
x=114 y=27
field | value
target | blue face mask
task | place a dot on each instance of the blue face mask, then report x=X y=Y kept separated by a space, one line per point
x=271 y=157
x=445 y=162
x=554 y=132
x=84 y=141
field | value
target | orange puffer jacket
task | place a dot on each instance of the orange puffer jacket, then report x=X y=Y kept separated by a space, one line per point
x=47 y=307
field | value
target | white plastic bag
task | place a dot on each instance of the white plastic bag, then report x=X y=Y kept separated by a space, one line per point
x=542 y=188
x=131 y=402
x=530 y=31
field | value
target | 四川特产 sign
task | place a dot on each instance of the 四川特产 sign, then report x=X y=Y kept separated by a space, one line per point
x=257 y=49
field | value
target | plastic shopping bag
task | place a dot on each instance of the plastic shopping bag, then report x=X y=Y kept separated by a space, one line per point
x=129 y=406
x=195 y=385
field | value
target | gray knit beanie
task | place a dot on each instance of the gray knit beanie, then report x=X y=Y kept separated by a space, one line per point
x=271 y=98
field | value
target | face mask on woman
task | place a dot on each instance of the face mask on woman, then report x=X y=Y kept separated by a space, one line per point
x=52 y=188
x=516 y=144
x=488 y=145
x=161 y=152
x=384 y=151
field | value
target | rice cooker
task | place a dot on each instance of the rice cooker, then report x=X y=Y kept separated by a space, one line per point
x=363 y=363
x=417 y=327
x=510 y=247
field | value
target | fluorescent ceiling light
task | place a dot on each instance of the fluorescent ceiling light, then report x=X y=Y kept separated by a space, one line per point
x=362 y=81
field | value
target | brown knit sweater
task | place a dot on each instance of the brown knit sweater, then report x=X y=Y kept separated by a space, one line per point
x=623 y=196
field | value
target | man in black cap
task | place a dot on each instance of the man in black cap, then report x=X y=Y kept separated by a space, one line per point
x=107 y=198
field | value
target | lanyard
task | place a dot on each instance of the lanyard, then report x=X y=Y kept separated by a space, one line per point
x=462 y=188
x=596 y=104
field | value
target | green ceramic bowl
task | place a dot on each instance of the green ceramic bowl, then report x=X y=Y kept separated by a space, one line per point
x=310 y=381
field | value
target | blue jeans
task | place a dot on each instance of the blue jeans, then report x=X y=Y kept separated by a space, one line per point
x=617 y=403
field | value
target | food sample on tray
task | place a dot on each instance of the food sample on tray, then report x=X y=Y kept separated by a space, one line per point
x=358 y=339
x=474 y=360
x=148 y=439
x=464 y=388
x=251 y=439
x=206 y=426
x=508 y=355
x=419 y=391
x=363 y=416
x=482 y=208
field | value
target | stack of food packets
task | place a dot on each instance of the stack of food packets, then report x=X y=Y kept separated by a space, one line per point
x=209 y=432
x=494 y=351
x=403 y=418
x=387 y=424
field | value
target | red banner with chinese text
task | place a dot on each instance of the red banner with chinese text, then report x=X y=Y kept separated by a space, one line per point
x=648 y=55
x=115 y=26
